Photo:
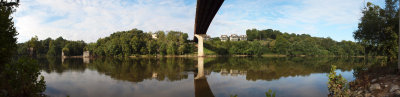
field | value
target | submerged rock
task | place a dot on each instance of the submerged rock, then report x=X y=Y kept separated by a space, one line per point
x=359 y=92
x=375 y=87
x=397 y=92
x=394 y=88
x=367 y=95
x=373 y=80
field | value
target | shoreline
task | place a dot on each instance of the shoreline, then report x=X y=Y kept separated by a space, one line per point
x=211 y=56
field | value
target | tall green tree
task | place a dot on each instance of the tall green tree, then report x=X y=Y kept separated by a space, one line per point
x=17 y=78
x=7 y=33
x=378 y=29
x=52 y=49
x=282 y=45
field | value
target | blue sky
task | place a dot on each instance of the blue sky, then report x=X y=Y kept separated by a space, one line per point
x=89 y=20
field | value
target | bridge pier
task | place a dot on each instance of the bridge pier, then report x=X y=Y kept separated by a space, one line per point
x=200 y=47
x=201 y=86
x=200 y=68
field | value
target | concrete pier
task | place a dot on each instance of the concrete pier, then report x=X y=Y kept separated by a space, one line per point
x=200 y=47
x=200 y=68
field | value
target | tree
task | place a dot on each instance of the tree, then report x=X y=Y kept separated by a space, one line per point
x=52 y=49
x=378 y=29
x=17 y=78
x=65 y=50
x=151 y=47
x=282 y=45
x=7 y=34
x=182 y=49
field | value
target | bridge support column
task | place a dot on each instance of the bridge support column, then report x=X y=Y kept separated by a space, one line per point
x=200 y=68
x=200 y=47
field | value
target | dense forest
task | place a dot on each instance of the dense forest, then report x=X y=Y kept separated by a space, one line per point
x=275 y=42
x=136 y=42
x=123 y=43
x=51 y=47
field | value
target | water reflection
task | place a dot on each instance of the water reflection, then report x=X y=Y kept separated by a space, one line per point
x=188 y=77
x=202 y=89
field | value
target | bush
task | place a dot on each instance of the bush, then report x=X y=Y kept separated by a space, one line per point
x=337 y=84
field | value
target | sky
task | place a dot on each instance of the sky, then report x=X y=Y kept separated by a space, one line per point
x=90 y=20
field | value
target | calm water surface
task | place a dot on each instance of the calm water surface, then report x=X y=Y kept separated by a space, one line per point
x=193 y=77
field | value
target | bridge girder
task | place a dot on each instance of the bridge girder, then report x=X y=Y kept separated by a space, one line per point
x=205 y=13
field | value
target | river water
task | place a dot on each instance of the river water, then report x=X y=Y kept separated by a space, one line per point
x=194 y=77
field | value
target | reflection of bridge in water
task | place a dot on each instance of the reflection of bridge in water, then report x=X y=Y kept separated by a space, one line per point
x=201 y=86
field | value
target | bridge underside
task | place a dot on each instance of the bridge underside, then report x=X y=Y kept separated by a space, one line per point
x=205 y=13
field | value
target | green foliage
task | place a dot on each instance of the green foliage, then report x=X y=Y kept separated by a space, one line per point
x=7 y=33
x=51 y=47
x=235 y=47
x=255 y=34
x=233 y=95
x=136 y=42
x=282 y=45
x=378 y=29
x=74 y=48
x=337 y=85
x=270 y=93
x=274 y=42
x=66 y=51
x=20 y=79
x=17 y=78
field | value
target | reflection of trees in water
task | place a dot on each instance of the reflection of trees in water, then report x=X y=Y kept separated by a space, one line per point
x=138 y=69
x=135 y=70
x=275 y=68
x=364 y=74
x=54 y=64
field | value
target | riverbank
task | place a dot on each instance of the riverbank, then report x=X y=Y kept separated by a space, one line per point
x=195 y=55
x=379 y=81
x=384 y=86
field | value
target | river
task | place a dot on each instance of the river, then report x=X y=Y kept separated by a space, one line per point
x=194 y=77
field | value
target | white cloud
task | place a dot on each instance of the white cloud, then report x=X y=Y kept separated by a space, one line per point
x=294 y=16
x=89 y=20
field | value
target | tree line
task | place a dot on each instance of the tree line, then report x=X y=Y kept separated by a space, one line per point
x=136 y=42
x=271 y=41
x=51 y=47
x=123 y=43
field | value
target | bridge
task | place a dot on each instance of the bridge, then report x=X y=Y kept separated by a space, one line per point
x=205 y=12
